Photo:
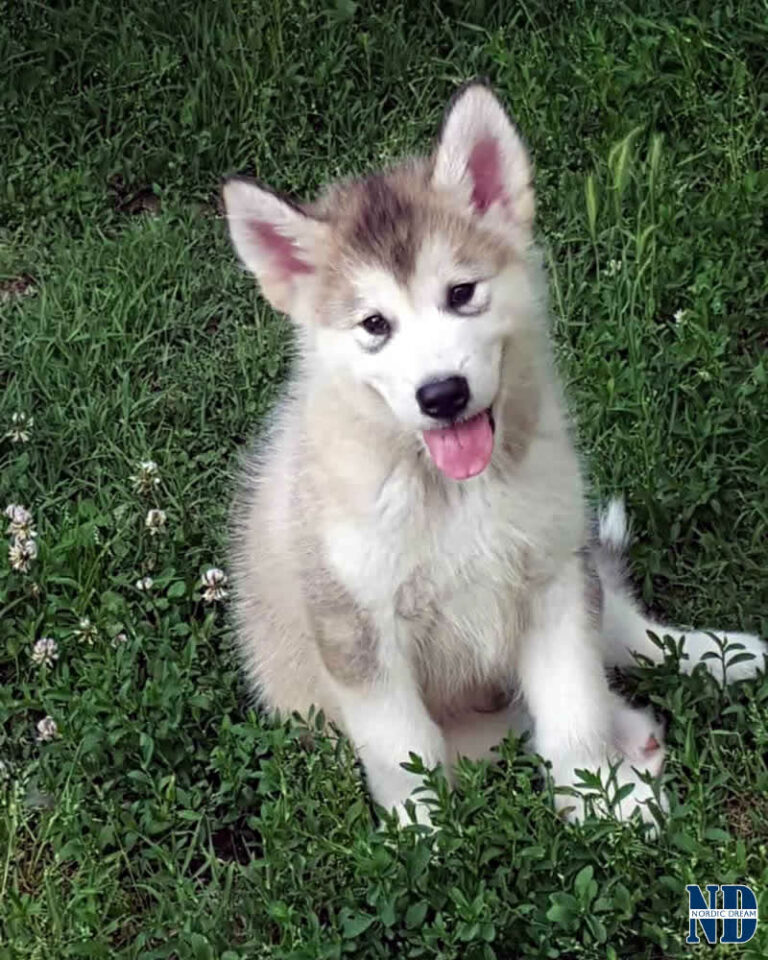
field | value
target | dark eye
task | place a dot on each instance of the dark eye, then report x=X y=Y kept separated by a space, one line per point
x=377 y=325
x=460 y=295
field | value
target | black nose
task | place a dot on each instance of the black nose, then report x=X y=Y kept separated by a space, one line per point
x=443 y=399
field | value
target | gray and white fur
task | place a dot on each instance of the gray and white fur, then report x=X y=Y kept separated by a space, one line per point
x=423 y=573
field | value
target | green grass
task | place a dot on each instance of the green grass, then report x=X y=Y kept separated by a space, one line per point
x=168 y=819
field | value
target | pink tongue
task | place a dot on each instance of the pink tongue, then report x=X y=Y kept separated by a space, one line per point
x=464 y=449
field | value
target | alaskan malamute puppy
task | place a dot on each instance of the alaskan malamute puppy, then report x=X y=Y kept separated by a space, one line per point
x=413 y=553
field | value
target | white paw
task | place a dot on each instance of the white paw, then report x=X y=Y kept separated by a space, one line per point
x=638 y=736
x=613 y=800
x=617 y=786
x=643 y=795
x=743 y=656
x=421 y=813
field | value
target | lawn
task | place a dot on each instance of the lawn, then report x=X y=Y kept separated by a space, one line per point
x=157 y=813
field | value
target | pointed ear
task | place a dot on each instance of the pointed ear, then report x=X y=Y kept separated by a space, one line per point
x=481 y=160
x=279 y=243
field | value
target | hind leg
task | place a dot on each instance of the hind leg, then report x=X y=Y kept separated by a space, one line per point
x=637 y=743
x=625 y=627
x=635 y=735
x=638 y=736
x=625 y=633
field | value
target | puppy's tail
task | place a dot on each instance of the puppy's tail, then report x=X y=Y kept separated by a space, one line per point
x=625 y=627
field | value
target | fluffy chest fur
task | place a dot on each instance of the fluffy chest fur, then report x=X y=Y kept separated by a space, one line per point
x=446 y=571
x=426 y=539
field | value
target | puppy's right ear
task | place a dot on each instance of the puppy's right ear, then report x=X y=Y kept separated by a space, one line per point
x=279 y=243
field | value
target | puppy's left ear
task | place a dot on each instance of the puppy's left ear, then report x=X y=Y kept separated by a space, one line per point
x=482 y=162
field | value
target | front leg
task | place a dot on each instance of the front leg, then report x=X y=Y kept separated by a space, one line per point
x=574 y=712
x=385 y=717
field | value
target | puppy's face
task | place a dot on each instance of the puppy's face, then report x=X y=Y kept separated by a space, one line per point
x=412 y=282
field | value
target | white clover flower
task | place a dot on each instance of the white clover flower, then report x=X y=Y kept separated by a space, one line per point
x=45 y=652
x=614 y=267
x=20 y=426
x=21 y=553
x=679 y=315
x=47 y=729
x=155 y=522
x=144 y=584
x=22 y=525
x=147 y=477
x=214 y=581
x=119 y=639
x=86 y=632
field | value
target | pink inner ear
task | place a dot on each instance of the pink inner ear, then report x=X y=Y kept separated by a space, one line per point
x=484 y=167
x=282 y=251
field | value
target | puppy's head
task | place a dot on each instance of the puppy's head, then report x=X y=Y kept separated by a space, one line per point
x=413 y=281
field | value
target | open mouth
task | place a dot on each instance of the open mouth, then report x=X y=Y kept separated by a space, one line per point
x=463 y=449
